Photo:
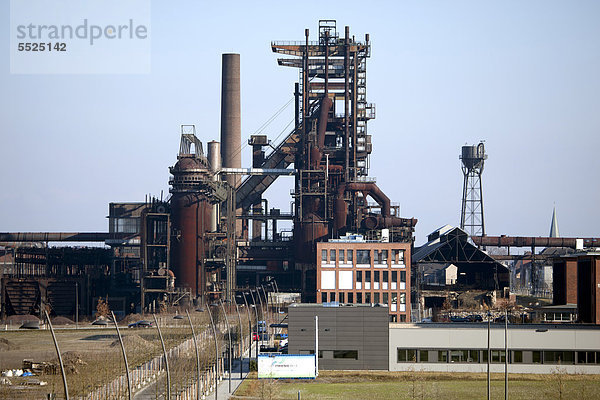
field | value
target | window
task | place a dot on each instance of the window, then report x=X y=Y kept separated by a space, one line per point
x=376 y=277
x=332 y=296
x=349 y=354
x=324 y=255
x=332 y=256
x=464 y=356
x=402 y=317
x=442 y=356
x=323 y=297
x=351 y=298
x=497 y=356
x=368 y=298
x=394 y=276
x=402 y=280
x=359 y=298
x=386 y=298
x=126 y=225
x=517 y=356
x=350 y=256
x=402 y=298
x=536 y=357
x=406 y=355
x=384 y=274
x=588 y=357
x=424 y=355
x=556 y=357
x=367 y=276
x=359 y=276
x=376 y=298
x=342 y=297
x=384 y=256
x=363 y=257
x=457 y=356
x=397 y=256
x=342 y=258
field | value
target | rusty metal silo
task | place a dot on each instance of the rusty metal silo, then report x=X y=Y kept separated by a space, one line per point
x=191 y=215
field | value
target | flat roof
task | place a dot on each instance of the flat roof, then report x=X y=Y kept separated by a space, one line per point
x=495 y=325
x=337 y=305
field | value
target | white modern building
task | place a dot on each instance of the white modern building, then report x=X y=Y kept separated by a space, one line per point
x=463 y=347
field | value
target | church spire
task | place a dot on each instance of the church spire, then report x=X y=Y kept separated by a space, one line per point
x=554 y=225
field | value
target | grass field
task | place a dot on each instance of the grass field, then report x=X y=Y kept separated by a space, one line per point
x=422 y=385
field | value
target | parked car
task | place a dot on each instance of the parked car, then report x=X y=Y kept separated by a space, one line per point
x=141 y=324
x=456 y=318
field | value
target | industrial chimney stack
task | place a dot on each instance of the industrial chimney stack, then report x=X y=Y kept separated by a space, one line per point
x=231 y=123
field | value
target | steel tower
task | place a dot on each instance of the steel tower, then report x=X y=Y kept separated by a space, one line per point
x=471 y=216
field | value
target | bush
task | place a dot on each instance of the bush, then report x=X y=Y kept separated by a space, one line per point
x=253 y=365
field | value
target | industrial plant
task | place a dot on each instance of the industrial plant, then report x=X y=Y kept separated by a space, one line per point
x=214 y=236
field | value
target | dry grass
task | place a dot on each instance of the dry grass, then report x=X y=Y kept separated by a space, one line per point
x=421 y=385
x=93 y=356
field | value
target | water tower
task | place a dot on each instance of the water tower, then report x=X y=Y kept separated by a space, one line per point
x=471 y=216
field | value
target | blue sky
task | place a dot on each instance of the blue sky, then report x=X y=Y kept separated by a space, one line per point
x=522 y=75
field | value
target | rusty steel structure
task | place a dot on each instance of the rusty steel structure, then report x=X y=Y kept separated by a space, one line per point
x=203 y=244
x=529 y=241
x=216 y=232
x=331 y=146
x=471 y=215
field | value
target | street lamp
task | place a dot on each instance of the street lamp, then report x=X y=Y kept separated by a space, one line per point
x=506 y=354
x=489 y=315
x=198 y=396
x=240 y=335
x=263 y=317
x=249 y=325
x=277 y=290
x=259 y=336
x=214 y=328
x=268 y=312
x=230 y=346
x=256 y=314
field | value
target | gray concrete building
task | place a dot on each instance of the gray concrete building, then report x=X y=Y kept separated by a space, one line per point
x=351 y=336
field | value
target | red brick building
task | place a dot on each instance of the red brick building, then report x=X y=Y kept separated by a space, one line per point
x=361 y=272
x=576 y=280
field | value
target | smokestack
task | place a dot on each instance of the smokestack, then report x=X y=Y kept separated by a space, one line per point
x=231 y=125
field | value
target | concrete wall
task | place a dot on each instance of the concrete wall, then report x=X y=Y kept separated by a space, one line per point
x=474 y=336
x=357 y=328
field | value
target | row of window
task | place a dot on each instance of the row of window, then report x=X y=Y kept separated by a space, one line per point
x=125 y=225
x=362 y=256
x=329 y=354
x=353 y=279
x=498 y=356
x=377 y=298
x=380 y=276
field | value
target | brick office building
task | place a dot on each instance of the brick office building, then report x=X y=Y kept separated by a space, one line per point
x=354 y=271
x=577 y=280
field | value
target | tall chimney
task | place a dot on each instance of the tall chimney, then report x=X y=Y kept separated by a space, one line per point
x=231 y=124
